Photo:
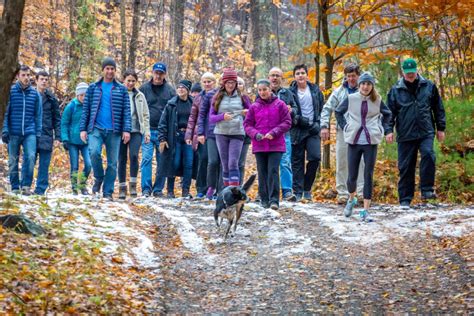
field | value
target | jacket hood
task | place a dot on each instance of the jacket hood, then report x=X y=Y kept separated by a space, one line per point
x=263 y=102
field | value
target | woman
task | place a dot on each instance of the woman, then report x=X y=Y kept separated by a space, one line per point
x=365 y=119
x=177 y=155
x=247 y=141
x=199 y=143
x=70 y=136
x=266 y=123
x=228 y=110
x=140 y=129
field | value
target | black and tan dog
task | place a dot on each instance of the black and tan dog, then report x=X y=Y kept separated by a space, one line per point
x=230 y=203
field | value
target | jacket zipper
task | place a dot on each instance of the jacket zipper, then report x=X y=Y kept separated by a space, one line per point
x=23 y=118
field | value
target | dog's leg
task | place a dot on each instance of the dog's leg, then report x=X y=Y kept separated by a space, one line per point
x=238 y=213
x=228 y=228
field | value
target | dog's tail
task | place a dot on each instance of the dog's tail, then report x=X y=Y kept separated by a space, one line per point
x=248 y=184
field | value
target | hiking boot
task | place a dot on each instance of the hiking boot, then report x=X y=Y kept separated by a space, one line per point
x=96 y=187
x=258 y=199
x=109 y=197
x=16 y=191
x=307 y=196
x=122 y=191
x=133 y=189
x=342 y=199
x=84 y=191
x=299 y=197
x=265 y=204
x=405 y=205
x=74 y=191
x=185 y=194
x=146 y=194
x=349 y=207
x=170 y=195
x=428 y=195
x=289 y=196
x=210 y=193
x=274 y=206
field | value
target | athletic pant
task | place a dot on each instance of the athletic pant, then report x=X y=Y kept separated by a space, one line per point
x=354 y=156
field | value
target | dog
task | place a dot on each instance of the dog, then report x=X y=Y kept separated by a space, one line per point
x=230 y=203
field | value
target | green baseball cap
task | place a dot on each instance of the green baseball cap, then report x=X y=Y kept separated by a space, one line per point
x=409 y=66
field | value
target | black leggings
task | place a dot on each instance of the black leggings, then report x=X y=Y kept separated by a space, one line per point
x=134 y=146
x=268 y=166
x=354 y=155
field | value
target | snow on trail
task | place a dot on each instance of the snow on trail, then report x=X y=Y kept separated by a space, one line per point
x=112 y=223
x=391 y=221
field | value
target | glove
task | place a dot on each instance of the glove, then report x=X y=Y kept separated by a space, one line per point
x=5 y=138
x=162 y=146
x=259 y=136
x=66 y=146
x=303 y=122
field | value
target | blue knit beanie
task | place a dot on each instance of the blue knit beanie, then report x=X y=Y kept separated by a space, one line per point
x=366 y=77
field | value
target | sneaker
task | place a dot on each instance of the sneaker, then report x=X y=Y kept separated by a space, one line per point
x=26 y=191
x=299 y=197
x=349 y=207
x=258 y=199
x=342 y=199
x=170 y=195
x=428 y=195
x=109 y=197
x=84 y=191
x=158 y=194
x=16 y=191
x=364 y=216
x=274 y=206
x=210 y=193
x=289 y=196
x=405 y=205
x=146 y=194
x=96 y=187
x=74 y=192
x=307 y=196
x=185 y=194
x=200 y=196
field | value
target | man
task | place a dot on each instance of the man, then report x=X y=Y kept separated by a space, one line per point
x=157 y=92
x=275 y=76
x=105 y=120
x=21 y=126
x=50 y=132
x=349 y=86
x=305 y=133
x=418 y=114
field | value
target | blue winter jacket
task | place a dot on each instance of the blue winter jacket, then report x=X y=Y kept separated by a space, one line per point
x=24 y=112
x=121 y=120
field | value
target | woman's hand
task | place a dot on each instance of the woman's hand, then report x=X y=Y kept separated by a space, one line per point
x=268 y=136
x=244 y=112
x=202 y=139
x=189 y=142
x=389 y=138
x=147 y=139
x=227 y=116
x=162 y=146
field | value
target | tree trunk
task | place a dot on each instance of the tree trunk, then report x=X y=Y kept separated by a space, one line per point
x=178 y=36
x=10 y=31
x=135 y=32
x=123 y=34
x=329 y=68
x=276 y=15
x=255 y=27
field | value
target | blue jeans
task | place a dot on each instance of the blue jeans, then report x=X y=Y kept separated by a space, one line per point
x=29 y=151
x=43 y=170
x=111 y=140
x=286 y=175
x=146 y=167
x=74 y=151
x=183 y=156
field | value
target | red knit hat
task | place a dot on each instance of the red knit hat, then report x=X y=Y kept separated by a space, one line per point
x=229 y=74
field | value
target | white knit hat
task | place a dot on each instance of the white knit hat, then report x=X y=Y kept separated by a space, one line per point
x=81 y=88
x=208 y=75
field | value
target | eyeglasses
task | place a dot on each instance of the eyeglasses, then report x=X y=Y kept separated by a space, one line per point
x=302 y=73
x=275 y=75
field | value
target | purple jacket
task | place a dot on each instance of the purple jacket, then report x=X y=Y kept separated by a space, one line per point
x=268 y=117
x=204 y=127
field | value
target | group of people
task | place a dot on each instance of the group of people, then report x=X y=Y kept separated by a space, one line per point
x=203 y=131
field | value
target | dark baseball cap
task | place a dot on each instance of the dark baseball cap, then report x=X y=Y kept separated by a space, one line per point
x=159 y=67
x=409 y=66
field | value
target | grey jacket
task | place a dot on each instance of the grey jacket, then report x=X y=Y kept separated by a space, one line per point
x=143 y=113
x=336 y=98
x=375 y=124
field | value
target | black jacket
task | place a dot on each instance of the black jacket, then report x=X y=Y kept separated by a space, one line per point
x=301 y=128
x=157 y=101
x=51 y=122
x=416 y=116
x=167 y=132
